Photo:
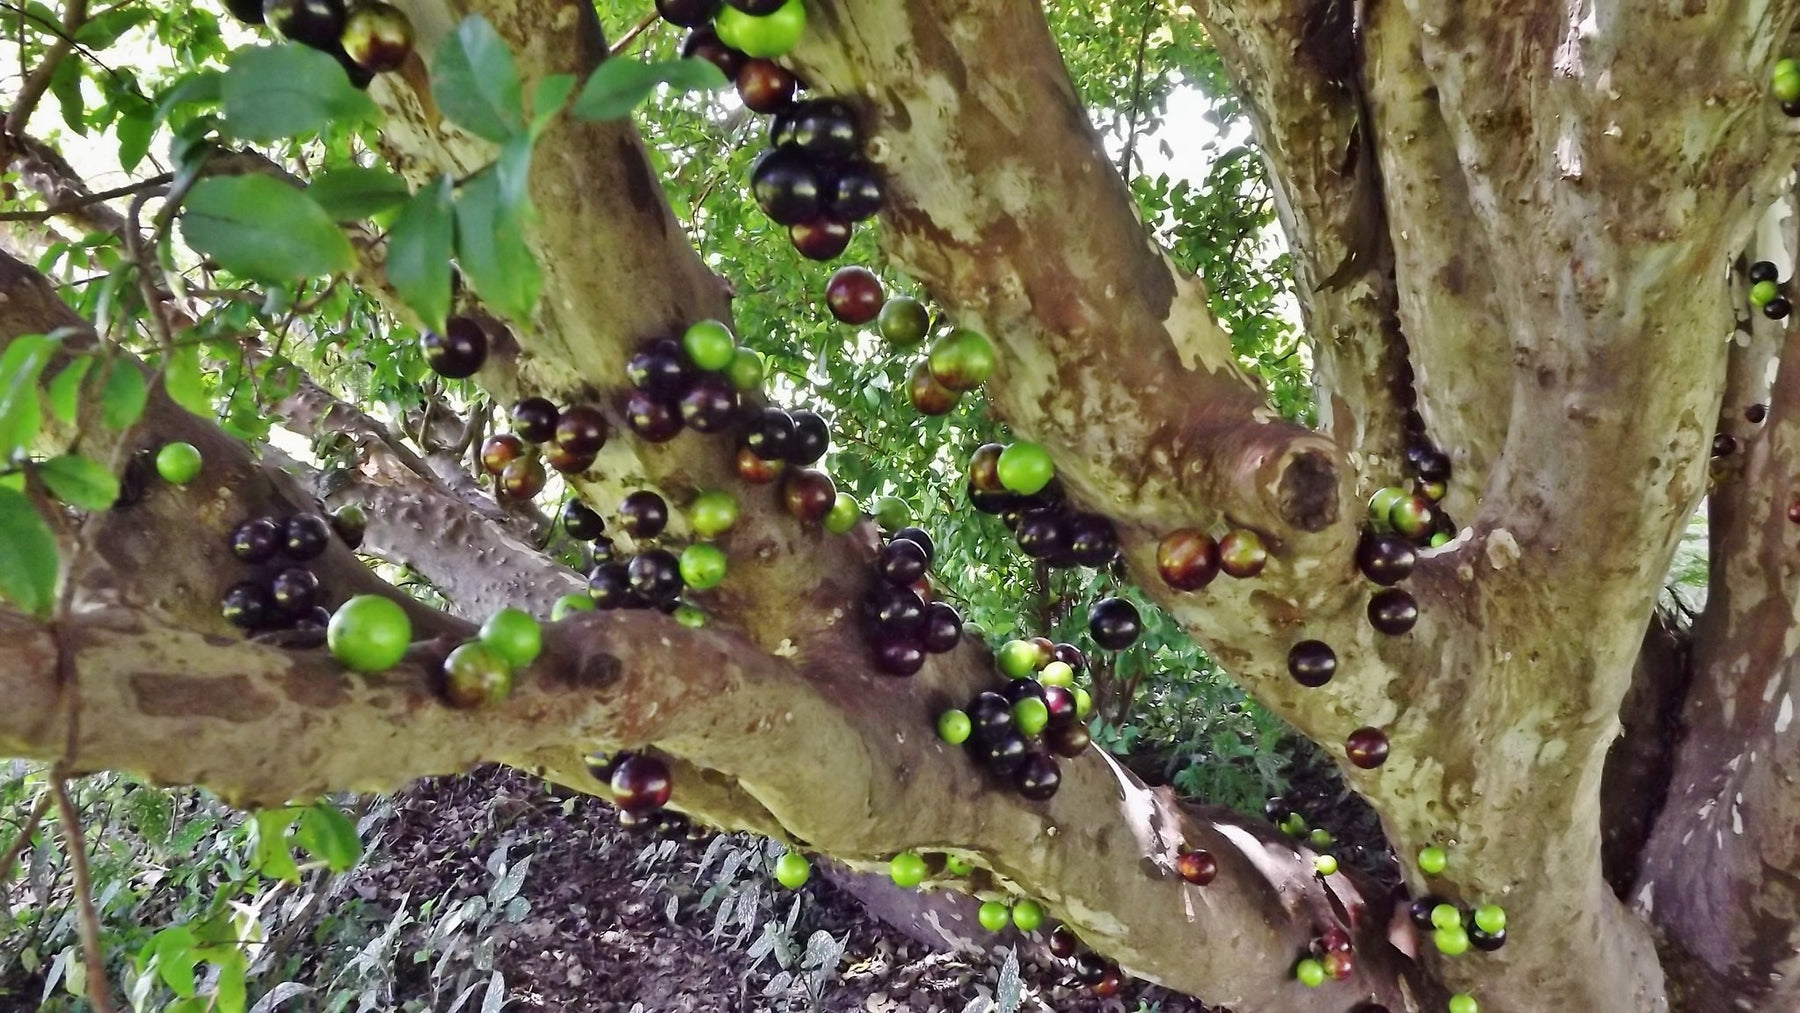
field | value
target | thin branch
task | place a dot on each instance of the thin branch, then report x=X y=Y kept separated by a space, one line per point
x=1137 y=95
x=74 y=16
x=98 y=991
x=77 y=204
x=632 y=33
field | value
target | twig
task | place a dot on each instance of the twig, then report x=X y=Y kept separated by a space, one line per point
x=98 y=992
x=631 y=35
x=1137 y=95
x=74 y=16
x=86 y=201
x=17 y=847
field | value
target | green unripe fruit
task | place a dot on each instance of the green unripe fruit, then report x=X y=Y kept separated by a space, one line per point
x=1057 y=673
x=475 y=675
x=1463 y=1002
x=1432 y=860
x=845 y=512
x=1294 y=825
x=514 y=636
x=1325 y=865
x=1025 y=468
x=1439 y=540
x=1785 y=80
x=702 y=565
x=1763 y=292
x=993 y=916
x=710 y=344
x=1382 y=503
x=1451 y=942
x=954 y=727
x=1030 y=716
x=746 y=369
x=1017 y=658
x=792 y=870
x=1320 y=838
x=712 y=513
x=689 y=616
x=1445 y=916
x=766 y=37
x=956 y=866
x=903 y=321
x=962 y=359
x=1084 y=703
x=1490 y=918
x=1310 y=972
x=569 y=604
x=1027 y=915
x=369 y=634
x=907 y=869
x=178 y=463
x=892 y=513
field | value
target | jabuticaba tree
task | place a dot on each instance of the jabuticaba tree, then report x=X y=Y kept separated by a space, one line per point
x=1543 y=332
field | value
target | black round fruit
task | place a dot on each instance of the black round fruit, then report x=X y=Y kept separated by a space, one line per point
x=643 y=514
x=534 y=419
x=1762 y=271
x=1385 y=558
x=1090 y=967
x=771 y=434
x=1060 y=702
x=901 y=562
x=1312 y=663
x=1042 y=533
x=757 y=7
x=256 y=540
x=582 y=431
x=942 y=629
x=315 y=23
x=854 y=193
x=655 y=419
x=787 y=186
x=688 y=13
x=350 y=522
x=1069 y=655
x=1393 y=611
x=1022 y=689
x=894 y=612
x=581 y=522
x=917 y=536
x=660 y=367
x=991 y=716
x=609 y=584
x=248 y=605
x=1114 y=623
x=1069 y=740
x=1486 y=941
x=703 y=44
x=1433 y=466
x=710 y=404
x=899 y=656
x=1004 y=754
x=1778 y=308
x=826 y=129
x=1092 y=540
x=811 y=437
x=294 y=590
x=656 y=575
x=1038 y=777
x=250 y=12
x=304 y=536
x=1276 y=809
x=1420 y=911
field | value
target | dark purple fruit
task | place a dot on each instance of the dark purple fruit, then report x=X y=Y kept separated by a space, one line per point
x=992 y=503
x=350 y=523
x=703 y=44
x=820 y=238
x=1433 y=466
x=581 y=521
x=1420 y=911
x=1778 y=308
x=854 y=193
x=248 y=606
x=643 y=514
x=765 y=86
x=655 y=575
x=1041 y=534
x=1385 y=558
x=1091 y=968
x=1276 y=809
x=1724 y=445
x=652 y=418
x=1762 y=271
x=313 y=619
x=1069 y=655
x=1038 y=776
x=787 y=186
x=771 y=435
x=991 y=716
x=918 y=536
x=1198 y=867
x=1187 y=559
x=1020 y=689
x=984 y=468
x=315 y=23
x=1393 y=611
x=250 y=12
x=256 y=540
x=1367 y=747
x=1063 y=943
x=1114 y=623
x=893 y=612
x=1756 y=413
x=609 y=584
x=826 y=130
x=523 y=478
x=811 y=437
x=1312 y=663
x=567 y=461
x=1004 y=754
x=942 y=629
x=808 y=494
x=640 y=784
x=1485 y=941
x=660 y=367
x=710 y=404
x=688 y=13
x=1092 y=540
x=901 y=562
x=854 y=295
x=1071 y=740
x=927 y=395
x=377 y=37
x=1060 y=701
x=899 y=657
x=534 y=419
x=294 y=590
x=602 y=550
x=582 y=430
x=304 y=536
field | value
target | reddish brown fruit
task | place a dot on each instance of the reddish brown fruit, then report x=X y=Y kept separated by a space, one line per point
x=1312 y=663
x=854 y=295
x=808 y=494
x=1339 y=965
x=566 y=461
x=1335 y=940
x=523 y=478
x=1794 y=511
x=1241 y=553
x=1046 y=649
x=1063 y=943
x=1367 y=747
x=1111 y=982
x=1197 y=867
x=765 y=86
x=754 y=469
x=500 y=450
x=1187 y=559
x=820 y=239
x=984 y=468
x=641 y=784
x=582 y=430
x=929 y=396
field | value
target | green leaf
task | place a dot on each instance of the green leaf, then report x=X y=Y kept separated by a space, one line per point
x=135 y=127
x=64 y=392
x=173 y=951
x=271 y=855
x=123 y=396
x=264 y=229
x=185 y=384
x=20 y=415
x=619 y=86
x=475 y=83
x=490 y=248
x=328 y=835
x=290 y=90
x=65 y=84
x=353 y=192
x=28 y=556
x=547 y=101
x=230 y=989
x=81 y=482
x=418 y=254
x=200 y=88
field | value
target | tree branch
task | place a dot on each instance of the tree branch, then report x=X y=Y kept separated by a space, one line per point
x=38 y=81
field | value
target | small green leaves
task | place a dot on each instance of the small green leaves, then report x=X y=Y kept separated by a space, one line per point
x=353 y=192
x=475 y=83
x=271 y=854
x=327 y=834
x=275 y=92
x=64 y=392
x=123 y=394
x=418 y=255
x=28 y=556
x=548 y=99
x=80 y=482
x=261 y=228
x=619 y=86
x=21 y=414
x=185 y=384
x=491 y=249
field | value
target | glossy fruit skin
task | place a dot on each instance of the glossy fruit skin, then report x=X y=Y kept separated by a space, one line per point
x=378 y=37
x=1030 y=714
x=1057 y=673
x=903 y=322
x=713 y=513
x=643 y=514
x=582 y=430
x=350 y=523
x=768 y=35
x=820 y=239
x=771 y=434
x=1385 y=558
x=710 y=404
x=1070 y=740
x=1006 y=754
x=1241 y=553
x=250 y=12
x=523 y=478
x=1069 y=655
x=1393 y=611
x=369 y=634
x=703 y=566
x=1312 y=663
x=765 y=86
x=248 y=606
x=1114 y=623
x=567 y=462
x=992 y=715
x=1367 y=747
x=928 y=396
x=1059 y=707
x=844 y=515
x=1489 y=918
x=907 y=869
x=1187 y=559
x=954 y=726
x=294 y=590
x=534 y=419
x=898 y=656
x=256 y=540
x=901 y=562
x=1486 y=941
x=854 y=193
x=1411 y=516
x=916 y=535
x=641 y=784
x=1198 y=867
x=962 y=359
x=1433 y=860
x=581 y=521
x=1310 y=973
x=1461 y=1002
x=1325 y=865
x=458 y=352
x=513 y=635
x=1724 y=445
x=652 y=418
x=811 y=438
x=688 y=13
x=1063 y=943
x=893 y=613
x=704 y=44
x=178 y=463
x=568 y=605
x=305 y=536
x=755 y=469
x=1451 y=942
x=792 y=870
x=1092 y=541
x=854 y=295
x=475 y=675
x=655 y=575
x=787 y=186
x=825 y=129
x=993 y=915
x=808 y=495
x=661 y=367
x=609 y=585
x=1027 y=916
x=1091 y=968
x=1338 y=965
x=1419 y=911
x=1024 y=468
x=1041 y=534
x=315 y=23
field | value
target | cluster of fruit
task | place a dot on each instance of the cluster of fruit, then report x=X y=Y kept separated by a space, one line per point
x=655 y=577
x=365 y=38
x=1765 y=287
x=287 y=597
x=693 y=382
x=1099 y=974
x=1188 y=559
x=1454 y=929
x=570 y=438
x=1018 y=731
x=899 y=622
x=1329 y=955
x=480 y=672
x=640 y=784
x=1017 y=484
